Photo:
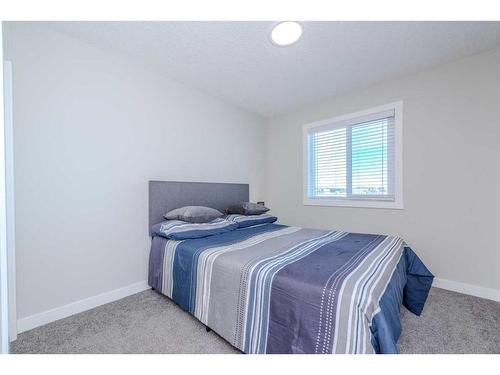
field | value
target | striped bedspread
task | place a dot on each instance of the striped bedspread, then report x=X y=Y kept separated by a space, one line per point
x=277 y=289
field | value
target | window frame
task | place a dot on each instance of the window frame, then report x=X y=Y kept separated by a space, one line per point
x=357 y=201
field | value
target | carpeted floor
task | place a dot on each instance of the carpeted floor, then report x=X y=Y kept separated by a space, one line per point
x=150 y=323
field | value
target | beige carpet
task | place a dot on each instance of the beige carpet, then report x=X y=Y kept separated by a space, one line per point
x=150 y=323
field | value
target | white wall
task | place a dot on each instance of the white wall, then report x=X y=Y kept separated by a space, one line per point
x=451 y=151
x=497 y=185
x=90 y=130
x=4 y=301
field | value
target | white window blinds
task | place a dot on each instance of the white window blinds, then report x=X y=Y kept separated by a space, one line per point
x=352 y=159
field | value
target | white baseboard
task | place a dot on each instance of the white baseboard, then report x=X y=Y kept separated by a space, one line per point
x=33 y=321
x=472 y=290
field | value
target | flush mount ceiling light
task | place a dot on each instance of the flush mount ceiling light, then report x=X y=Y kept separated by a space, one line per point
x=286 y=33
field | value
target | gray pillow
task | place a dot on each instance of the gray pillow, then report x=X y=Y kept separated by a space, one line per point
x=247 y=208
x=193 y=214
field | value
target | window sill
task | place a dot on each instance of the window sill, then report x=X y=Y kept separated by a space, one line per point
x=366 y=203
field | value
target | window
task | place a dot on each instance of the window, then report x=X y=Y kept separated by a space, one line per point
x=355 y=160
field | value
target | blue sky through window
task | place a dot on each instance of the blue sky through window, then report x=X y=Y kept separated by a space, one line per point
x=369 y=159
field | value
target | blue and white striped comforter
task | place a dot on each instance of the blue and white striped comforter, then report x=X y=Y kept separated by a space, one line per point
x=277 y=289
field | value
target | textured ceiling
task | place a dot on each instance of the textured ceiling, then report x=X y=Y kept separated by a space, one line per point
x=236 y=62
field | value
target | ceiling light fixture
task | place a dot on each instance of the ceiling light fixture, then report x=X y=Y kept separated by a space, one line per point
x=286 y=33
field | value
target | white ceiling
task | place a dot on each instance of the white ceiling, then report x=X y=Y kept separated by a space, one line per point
x=236 y=62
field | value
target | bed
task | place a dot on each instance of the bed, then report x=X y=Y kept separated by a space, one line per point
x=273 y=288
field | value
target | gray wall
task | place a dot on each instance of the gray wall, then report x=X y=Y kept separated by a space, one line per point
x=451 y=150
x=91 y=129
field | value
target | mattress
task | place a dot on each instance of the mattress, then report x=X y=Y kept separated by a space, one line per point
x=272 y=288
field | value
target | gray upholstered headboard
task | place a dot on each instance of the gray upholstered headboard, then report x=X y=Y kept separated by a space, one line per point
x=168 y=195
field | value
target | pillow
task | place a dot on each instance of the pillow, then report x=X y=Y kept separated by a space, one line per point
x=181 y=230
x=193 y=214
x=245 y=221
x=247 y=208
